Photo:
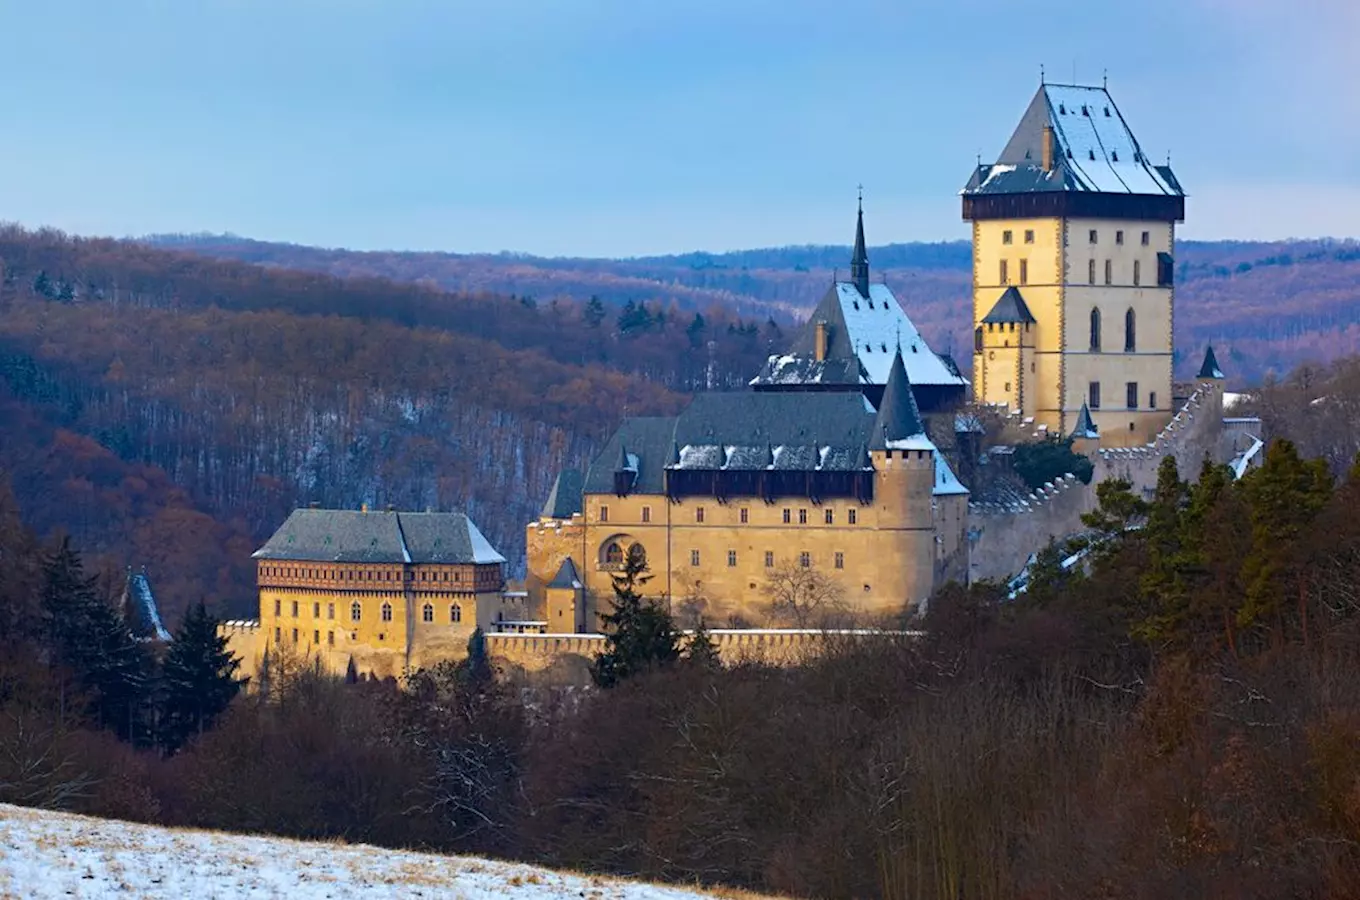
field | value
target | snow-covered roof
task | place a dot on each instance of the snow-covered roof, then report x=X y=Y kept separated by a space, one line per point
x=946 y=482
x=344 y=535
x=877 y=325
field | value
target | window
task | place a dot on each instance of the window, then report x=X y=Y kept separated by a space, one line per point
x=1024 y=271
x=316 y=637
x=1094 y=401
x=1109 y=271
x=427 y=613
x=1119 y=237
x=731 y=558
x=1166 y=270
x=769 y=559
x=330 y=638
x=977 y=339
x=840 y=560
x=646 y=514
x=330 y=610
x=694 y=557
x=1152 y=400
x=387 y=612
x=830 y=517
x=278 y=635
x=1131 y=389
x=295 y=640
x=1029 y=235
x=1006 y=237
x=356 y=611
x=743 y=514
x=1008 y=387
x=604 y=513
x=1091 y=272
x=851 y=516
x=699 y=514
x=316 y=610
x=278 y=607
x=295 y=609
x=805 y=559
x=1130 y=328
x=613 y=554
x=802 y=517
x=455 y=613
x=1005 y=273
x=1147 y=238
x=1095 y=330
x=1093 y=235
x=1137 y=272
x=788 y=516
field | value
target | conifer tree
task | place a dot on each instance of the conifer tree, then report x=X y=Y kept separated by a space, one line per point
x=475 y=671
x=701 y=650
x=639 y=634
x=198 y=680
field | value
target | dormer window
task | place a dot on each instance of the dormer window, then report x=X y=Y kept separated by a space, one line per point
x=1085 y=111
x=1062 y=109
x=856 y=302
x=868 y=348
x=1107 y=112
x=1091 y=154
x=883 y=347
x=1114 y=155
x=1069 y=152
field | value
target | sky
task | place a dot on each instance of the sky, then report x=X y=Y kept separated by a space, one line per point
x=629 y=127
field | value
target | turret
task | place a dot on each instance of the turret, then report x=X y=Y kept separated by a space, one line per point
x=1210 y=369
x=859 y=261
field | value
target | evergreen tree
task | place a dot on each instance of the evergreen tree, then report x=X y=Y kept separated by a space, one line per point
x=198 y=680
x=593 y=312
x=1117 y=511
x=42 y=285
x=696 y=330
x=639 y=634
x=1163 y=586
x=475 y=671
x=701 y=651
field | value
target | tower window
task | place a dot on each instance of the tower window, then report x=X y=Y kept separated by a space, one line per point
x=1029 y=235
x=1137 y=272
x=316 y=637
x=731 y=558
x=646 y=514
x=977 y=339
x=769 y=559
x=604 y=514
x=694 y=557
x=1094 y=236
x=1109 y=271
x=278 y=607
x=1147 y=238
x=1006 y=236
x=699 y=514
x=840 y=560
x=613 y=554
x=295 y=609
x=278 y=635
x=852 y=516
x=1152 y=400
x=805 y=559
x=1119 y=237
x=743 y=514
x=831 y=517
x=1008 y=387
x=788 y=516
x=1024 y=271
x=1166 y=270
x=1095 y=330
x=1132 y=390
x=802 y=517
x=1093 y=399
x=295 y=640
x=1005 y=273
x=1130 y=332
x=316 y=610
x=1091 y=271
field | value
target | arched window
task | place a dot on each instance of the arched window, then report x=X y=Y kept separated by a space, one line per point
x=1095 y=330
x=1130 y=331
x=356 y=612
x=387 y=612
x=613 y=554
x=427 y=613
x=455 y=613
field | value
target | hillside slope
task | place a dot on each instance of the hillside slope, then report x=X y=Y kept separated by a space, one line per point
x=57 y=855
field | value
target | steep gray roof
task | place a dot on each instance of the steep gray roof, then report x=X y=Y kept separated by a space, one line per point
x=898 y=422
x=791 y=369
x=1094 y=150
x=344 y=535
x=1210 y=368
x=1010 y=308
x=859 y=257
x=564 y=500
x=567 y=576
x=1086 y=426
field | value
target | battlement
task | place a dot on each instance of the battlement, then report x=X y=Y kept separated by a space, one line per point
x=1029 y=502
x=238 y=626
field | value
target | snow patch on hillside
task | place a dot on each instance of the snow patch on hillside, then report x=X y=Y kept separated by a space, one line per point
x=58 y=855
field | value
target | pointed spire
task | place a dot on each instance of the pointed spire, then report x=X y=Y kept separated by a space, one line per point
x=859 y=261
x=1086 y=426
x=622 y=465
x=1210 y=368
x=674 y=458
x=769 y=455
x=898 y=416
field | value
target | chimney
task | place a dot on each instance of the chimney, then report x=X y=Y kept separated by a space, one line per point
x=819 y=341
x=1048 y=148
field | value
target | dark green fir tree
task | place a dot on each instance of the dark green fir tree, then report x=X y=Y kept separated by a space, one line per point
x=198 y=681
x=639 y=635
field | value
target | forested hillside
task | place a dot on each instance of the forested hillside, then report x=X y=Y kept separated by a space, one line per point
x=1266 y=305
x=169 y=410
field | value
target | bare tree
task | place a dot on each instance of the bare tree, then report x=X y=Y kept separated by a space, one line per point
x=801 y=595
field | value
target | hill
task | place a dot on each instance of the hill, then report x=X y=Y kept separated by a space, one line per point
x=1268 y=306
x=48 y=854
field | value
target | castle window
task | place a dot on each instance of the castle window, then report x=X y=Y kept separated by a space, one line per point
x=316 y=610
x=604 y=513
x=851 y=516
x=330 y=638
x=831 y=517
x=1005 y=273
x=1091 y=272
x=646 y=514
x=699 y=514
x=1114 y=156
x=1130 y=326
x=278 y=635
x=455 y=613
x=330 y=610
x=1109 y=271
x=805 y=559
x=1091 y=155
x=1029 y=235
x=316 y=637
x=427 y=613
x=1147 y=238
x=1107 y=112
x=1006 y=236
x=1093 y=400
x=355 y=611
x=788 y=516
x=295 y=609
x=278 y=607
x=1132 y=392
x=977 y=339
x=382 y=636
x=1094 y=236
x=743 y=514
x=1152 y=400
x=802 y=517
x=840 y=560
x=694 y=557
x=613 y=554
x=1119 y=237
x=387 y=612
x=1062 y=109
x=1095 y=330
x=1024 y=271
x=1008 y=387
x=731 y=558
x=1137 y=272
x=1166 y=269
x=769 y=559
x=295 y=638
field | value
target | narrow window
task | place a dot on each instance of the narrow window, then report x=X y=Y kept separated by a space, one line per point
x=977 y=339
x=1131 y=389
x=1119 y=237
x=330 y=610
x=1091 y=272
x=646 y=514
x=1109 y=271
x=743 y=514
x=316 y=637
x=1029 y=235
x=851 y=516
x=278 y=607
x=1130 y=329
x=802 y=517
x=1024 y=271
x=1093 y=235
x=316 y=610
x=1006 y=237
x=1152 y=400
x=699 y=514
x=769 y=559
x=694 y=557
x=1166 y=270
x=788 y=514
x=1005 y=274
x=1147 y=238
x=1094 y=401
x=805 y=559
x=295 y=609
x=1137 y=272
x=278 y=635
x=455 y=613
x=731 y=558
x=295 y=640
x=1095 y=330
x=840 y=560
x=387 y=612
x=830 y=517
x=355 y=611
x=604 y=513
x=427 y=613
x=330 y=638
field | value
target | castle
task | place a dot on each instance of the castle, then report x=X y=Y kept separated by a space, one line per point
x=827 y=487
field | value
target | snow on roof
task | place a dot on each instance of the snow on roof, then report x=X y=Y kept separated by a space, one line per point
x=1105 y=156
x=915 y=442
x=877 y=325
x=946 y=482
x=1242 y=463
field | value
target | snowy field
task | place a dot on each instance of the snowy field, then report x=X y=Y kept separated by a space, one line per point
x=44 y=854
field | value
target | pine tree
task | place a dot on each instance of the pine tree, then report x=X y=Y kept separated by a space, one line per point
x=475 y=671
x=198 y=680
x=640 y=636
x=701 y=651
x=593 y=312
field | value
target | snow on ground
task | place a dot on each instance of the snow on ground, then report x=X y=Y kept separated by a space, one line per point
x=58 y=855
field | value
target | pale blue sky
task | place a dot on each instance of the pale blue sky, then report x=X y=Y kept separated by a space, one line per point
x=617 y=127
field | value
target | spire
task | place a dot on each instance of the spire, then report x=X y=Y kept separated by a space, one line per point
x=859 y=262
x=898 y=417
x=1210 y=368
x=622 y=464
x=1086 y=426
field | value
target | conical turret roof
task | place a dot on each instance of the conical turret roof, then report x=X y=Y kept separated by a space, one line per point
x=1086 y=426
x=1210 y=367
x=899 y=419
x=859 y=261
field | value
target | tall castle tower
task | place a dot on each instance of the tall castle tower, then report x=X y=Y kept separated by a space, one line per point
x=1073 y=264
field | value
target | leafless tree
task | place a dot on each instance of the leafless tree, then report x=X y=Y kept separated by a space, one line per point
x=802 y=596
